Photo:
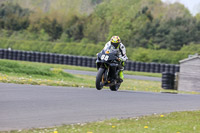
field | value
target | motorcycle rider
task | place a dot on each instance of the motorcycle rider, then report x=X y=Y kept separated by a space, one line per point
x=116 y=43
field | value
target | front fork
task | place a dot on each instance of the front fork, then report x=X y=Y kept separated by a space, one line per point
x=105 y=75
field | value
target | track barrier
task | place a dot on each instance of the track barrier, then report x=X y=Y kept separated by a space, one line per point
x=167 y=70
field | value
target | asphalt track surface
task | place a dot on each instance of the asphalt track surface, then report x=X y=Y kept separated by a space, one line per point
x=125 y=76
x=28 y=106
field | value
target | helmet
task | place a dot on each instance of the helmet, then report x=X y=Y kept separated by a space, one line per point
x=115 y=41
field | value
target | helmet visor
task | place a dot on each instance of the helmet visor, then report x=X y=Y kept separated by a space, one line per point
x=115 y=44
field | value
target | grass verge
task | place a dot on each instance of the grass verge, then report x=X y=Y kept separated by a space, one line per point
x=77 y=81
x=37 y=74
x=53 y=75
x=176 y=122
x=42 y=74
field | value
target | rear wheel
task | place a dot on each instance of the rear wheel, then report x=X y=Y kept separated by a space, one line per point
x=99 y=79
x=115 y=87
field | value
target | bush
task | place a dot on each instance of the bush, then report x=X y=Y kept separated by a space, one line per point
x=192 y=47
x=13 y=17
x=25 y=35
x=72 y=48
x=159 y=56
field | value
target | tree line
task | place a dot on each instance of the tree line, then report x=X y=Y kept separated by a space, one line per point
x=139 y=23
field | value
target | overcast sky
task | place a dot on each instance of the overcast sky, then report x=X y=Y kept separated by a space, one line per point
x=192 y=5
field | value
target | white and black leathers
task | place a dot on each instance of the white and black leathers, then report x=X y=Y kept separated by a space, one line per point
x=121 y=50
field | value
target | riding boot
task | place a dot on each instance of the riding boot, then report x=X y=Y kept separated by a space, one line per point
x=121 y=75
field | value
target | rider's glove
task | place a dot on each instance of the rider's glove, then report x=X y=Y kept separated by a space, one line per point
x=119 y=59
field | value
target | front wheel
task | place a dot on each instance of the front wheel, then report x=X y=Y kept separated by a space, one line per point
x=115 y=87
x=99 y=79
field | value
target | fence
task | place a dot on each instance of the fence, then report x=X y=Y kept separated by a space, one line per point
x=82 y=61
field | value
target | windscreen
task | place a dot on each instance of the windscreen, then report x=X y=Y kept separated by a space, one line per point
x=110 y=49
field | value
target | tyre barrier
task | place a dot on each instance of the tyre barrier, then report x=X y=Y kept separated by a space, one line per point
x=147 y=67
x=83 y=61
x=167 y=68
x=162 y=68
x=142 y=67
x=137 y=66
x=132 y=66
x=152 y=67
x=168 y=80
x=157 y=68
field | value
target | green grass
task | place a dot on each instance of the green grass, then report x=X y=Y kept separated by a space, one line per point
x=77 y=81
x=38 y=74
x=21 y=72
x=143 y=74
x=176 y=122
x=51 y=74
x=30 y=69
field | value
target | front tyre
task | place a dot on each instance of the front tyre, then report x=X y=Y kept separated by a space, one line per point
x=99 y=79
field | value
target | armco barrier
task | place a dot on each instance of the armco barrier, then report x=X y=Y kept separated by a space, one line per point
x=83 y=61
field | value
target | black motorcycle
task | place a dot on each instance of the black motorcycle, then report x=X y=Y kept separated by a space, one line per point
x=108 y=69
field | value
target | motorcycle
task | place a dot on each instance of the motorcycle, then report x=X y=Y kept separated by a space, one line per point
x=108 y=69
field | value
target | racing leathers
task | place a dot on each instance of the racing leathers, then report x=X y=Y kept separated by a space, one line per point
x=121 y=50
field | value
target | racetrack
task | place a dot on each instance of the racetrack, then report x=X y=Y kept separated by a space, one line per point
x=28 y=106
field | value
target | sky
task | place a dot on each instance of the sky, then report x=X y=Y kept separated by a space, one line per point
x=192 y=5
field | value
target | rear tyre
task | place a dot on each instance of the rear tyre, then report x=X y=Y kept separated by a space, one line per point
x=99 y=77
x=114 y=87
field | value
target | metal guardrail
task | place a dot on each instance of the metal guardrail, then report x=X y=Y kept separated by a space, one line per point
x=83 y=61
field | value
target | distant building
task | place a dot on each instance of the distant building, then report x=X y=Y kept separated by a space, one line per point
x=189 y=76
